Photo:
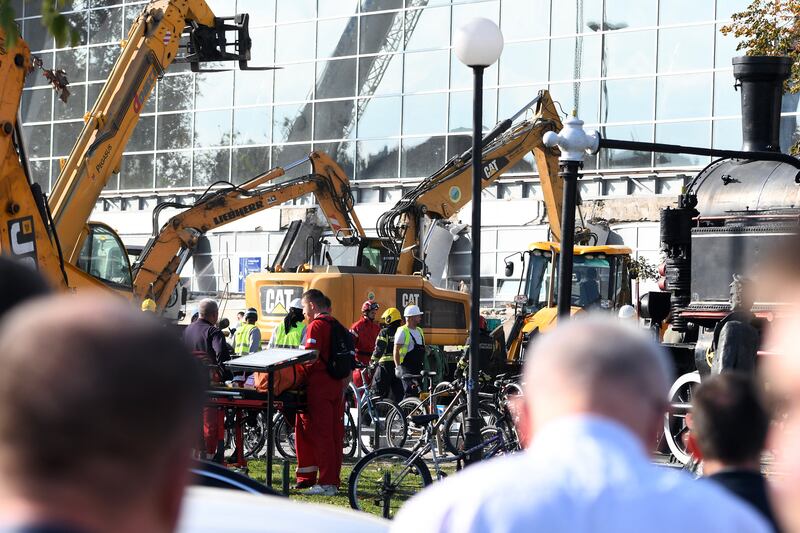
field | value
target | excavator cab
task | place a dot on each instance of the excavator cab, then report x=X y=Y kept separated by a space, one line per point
x=104 y=257
x=369 y=255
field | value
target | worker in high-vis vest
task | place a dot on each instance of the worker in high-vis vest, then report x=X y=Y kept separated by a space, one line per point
x=248 y=336
x=291 y=331
x=409 y=349
x=385 y=384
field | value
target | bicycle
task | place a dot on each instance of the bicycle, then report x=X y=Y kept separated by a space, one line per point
x=373 y=415
x=383 y=480
x=283 y=436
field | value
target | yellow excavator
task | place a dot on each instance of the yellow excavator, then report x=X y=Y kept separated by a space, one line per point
x=156 y=273
x=56 y=235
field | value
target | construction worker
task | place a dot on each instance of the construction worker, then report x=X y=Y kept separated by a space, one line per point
x=248 y=336
x=409 y=349
x=291 y=331
x=319 y=431
x=490 y=361
x=149 y=305
x=366 y=331
x=385 y=384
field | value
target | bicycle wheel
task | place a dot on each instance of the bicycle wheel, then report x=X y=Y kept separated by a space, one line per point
x=350 y=441
x=454 y=427
x=375 y=421
x=410 y=434
x=283 y=435
x=382 y=481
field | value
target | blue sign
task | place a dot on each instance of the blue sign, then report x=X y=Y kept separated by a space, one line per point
x=248 y=265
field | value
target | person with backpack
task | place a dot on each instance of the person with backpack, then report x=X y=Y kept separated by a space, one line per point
x=409 y=349
x=386 y=384
x=319 y=431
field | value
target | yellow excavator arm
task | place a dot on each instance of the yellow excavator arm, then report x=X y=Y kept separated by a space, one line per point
x=157 y=271
x=441 y=195
x=151 y=46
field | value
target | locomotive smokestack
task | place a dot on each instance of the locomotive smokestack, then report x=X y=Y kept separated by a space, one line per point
x=761 y=81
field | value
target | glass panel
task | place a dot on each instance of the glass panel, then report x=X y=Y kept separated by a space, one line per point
x=40 y=172
x=294 y=82
x=725 y=49
x=685 y=48
x=296 y=42
x=143 y=137
x=465 y=12
x=727 y=101
x=36 y=105
x=337 y=37
x=290 y=123
x=283 y=156
x=631 y=13
x=64 y=136
x=790 y=132
x=565 y=19
x=685 y=133
x=380 y=117
x=629 y=53
x=563 y=53
x=513 y=98
x=173 y=169
x=684 y=96
x=37 y=37
x=728 y=134
x=457 y=145
x=253 y=87
x=389 y=81
x=252 y=126
x=101 y=59
x=129 y=16
x=137 y=171
x=36 y=79
x=331 y=119
x=628 y=100
x=461 y=76
x=424 y=113
x=344 y=153
x=374 y=29
x=247 y=163
x=380 y=5
x=588 y=99
x=174 y=131
x=213 y=90
x=337 y=7
x=336 y=79
x=210 y=166
x=296 y=10
x=461 y=110
x=627 y=158
x=679 y=11
x=261 y=12
x=427 y=28
x=37 y=140
x=377 y=159
x=80 y=21
x=105 y=26
x=103 y=256
x=790 y=103
x=262 y=51
x=212 y=128
x=421 y=156
x=524 y=19
x=75 y=106
x=524 y=62
x=426 y=71
x=73 y=62
x=725 y=8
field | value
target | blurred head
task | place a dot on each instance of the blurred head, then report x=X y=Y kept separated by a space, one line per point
x=729 y=422
x=591 y=273
x=18 y=282
x=314 y=303
x=370 y=309
x=207 y=310
x=121 y=409
x=391 y=316
x=251 y=316
x=240 y=316
x=598 y=366
x=149 y=305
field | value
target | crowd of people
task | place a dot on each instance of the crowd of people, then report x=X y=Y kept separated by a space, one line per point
x=107 y=448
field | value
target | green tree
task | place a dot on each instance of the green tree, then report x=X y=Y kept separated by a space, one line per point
x=52 y=19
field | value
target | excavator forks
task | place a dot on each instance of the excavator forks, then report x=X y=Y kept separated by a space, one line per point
x=208 y=44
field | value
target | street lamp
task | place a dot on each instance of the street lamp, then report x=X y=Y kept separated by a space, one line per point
x=477 y=44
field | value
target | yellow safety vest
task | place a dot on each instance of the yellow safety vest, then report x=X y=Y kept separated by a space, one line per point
x=290 y=339
x=407 y=341
x=241 y=341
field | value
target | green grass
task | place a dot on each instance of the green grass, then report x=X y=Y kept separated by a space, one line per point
x=258 y=471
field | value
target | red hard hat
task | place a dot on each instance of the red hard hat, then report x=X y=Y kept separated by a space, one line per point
x=482 y=323
x=369 y=305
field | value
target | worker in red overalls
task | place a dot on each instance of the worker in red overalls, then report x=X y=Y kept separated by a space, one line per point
x=366 y=331
x=319 y=431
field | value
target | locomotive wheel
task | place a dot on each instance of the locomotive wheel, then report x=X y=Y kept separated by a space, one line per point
x=680 y=398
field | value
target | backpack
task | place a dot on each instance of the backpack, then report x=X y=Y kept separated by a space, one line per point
x=342 y=359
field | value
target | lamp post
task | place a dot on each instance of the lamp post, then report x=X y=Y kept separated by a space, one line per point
x=477 y=44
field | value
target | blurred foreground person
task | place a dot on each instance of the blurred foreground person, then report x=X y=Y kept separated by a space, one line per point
x=18 y=282
x=729 y=426
x=596 y=392
x=97 y=420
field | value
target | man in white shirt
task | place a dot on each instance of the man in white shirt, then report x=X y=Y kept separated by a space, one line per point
x=595 y=398
x=409 y=349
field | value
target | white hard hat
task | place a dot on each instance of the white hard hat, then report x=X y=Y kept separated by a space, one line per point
x=626 y=312
x=297 y=303
x=412 y=310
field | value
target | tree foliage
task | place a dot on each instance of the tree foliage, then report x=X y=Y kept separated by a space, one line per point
x=771 y=28
x=52 y=19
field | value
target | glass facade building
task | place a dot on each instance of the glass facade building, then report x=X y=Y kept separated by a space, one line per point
x=376 y=84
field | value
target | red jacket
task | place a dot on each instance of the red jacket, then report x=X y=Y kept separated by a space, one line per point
x=318 y=337
x=366 y=332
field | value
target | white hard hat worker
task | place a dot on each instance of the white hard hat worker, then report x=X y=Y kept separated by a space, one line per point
x=627 y=312
x=297 y=303
x=412 y=310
